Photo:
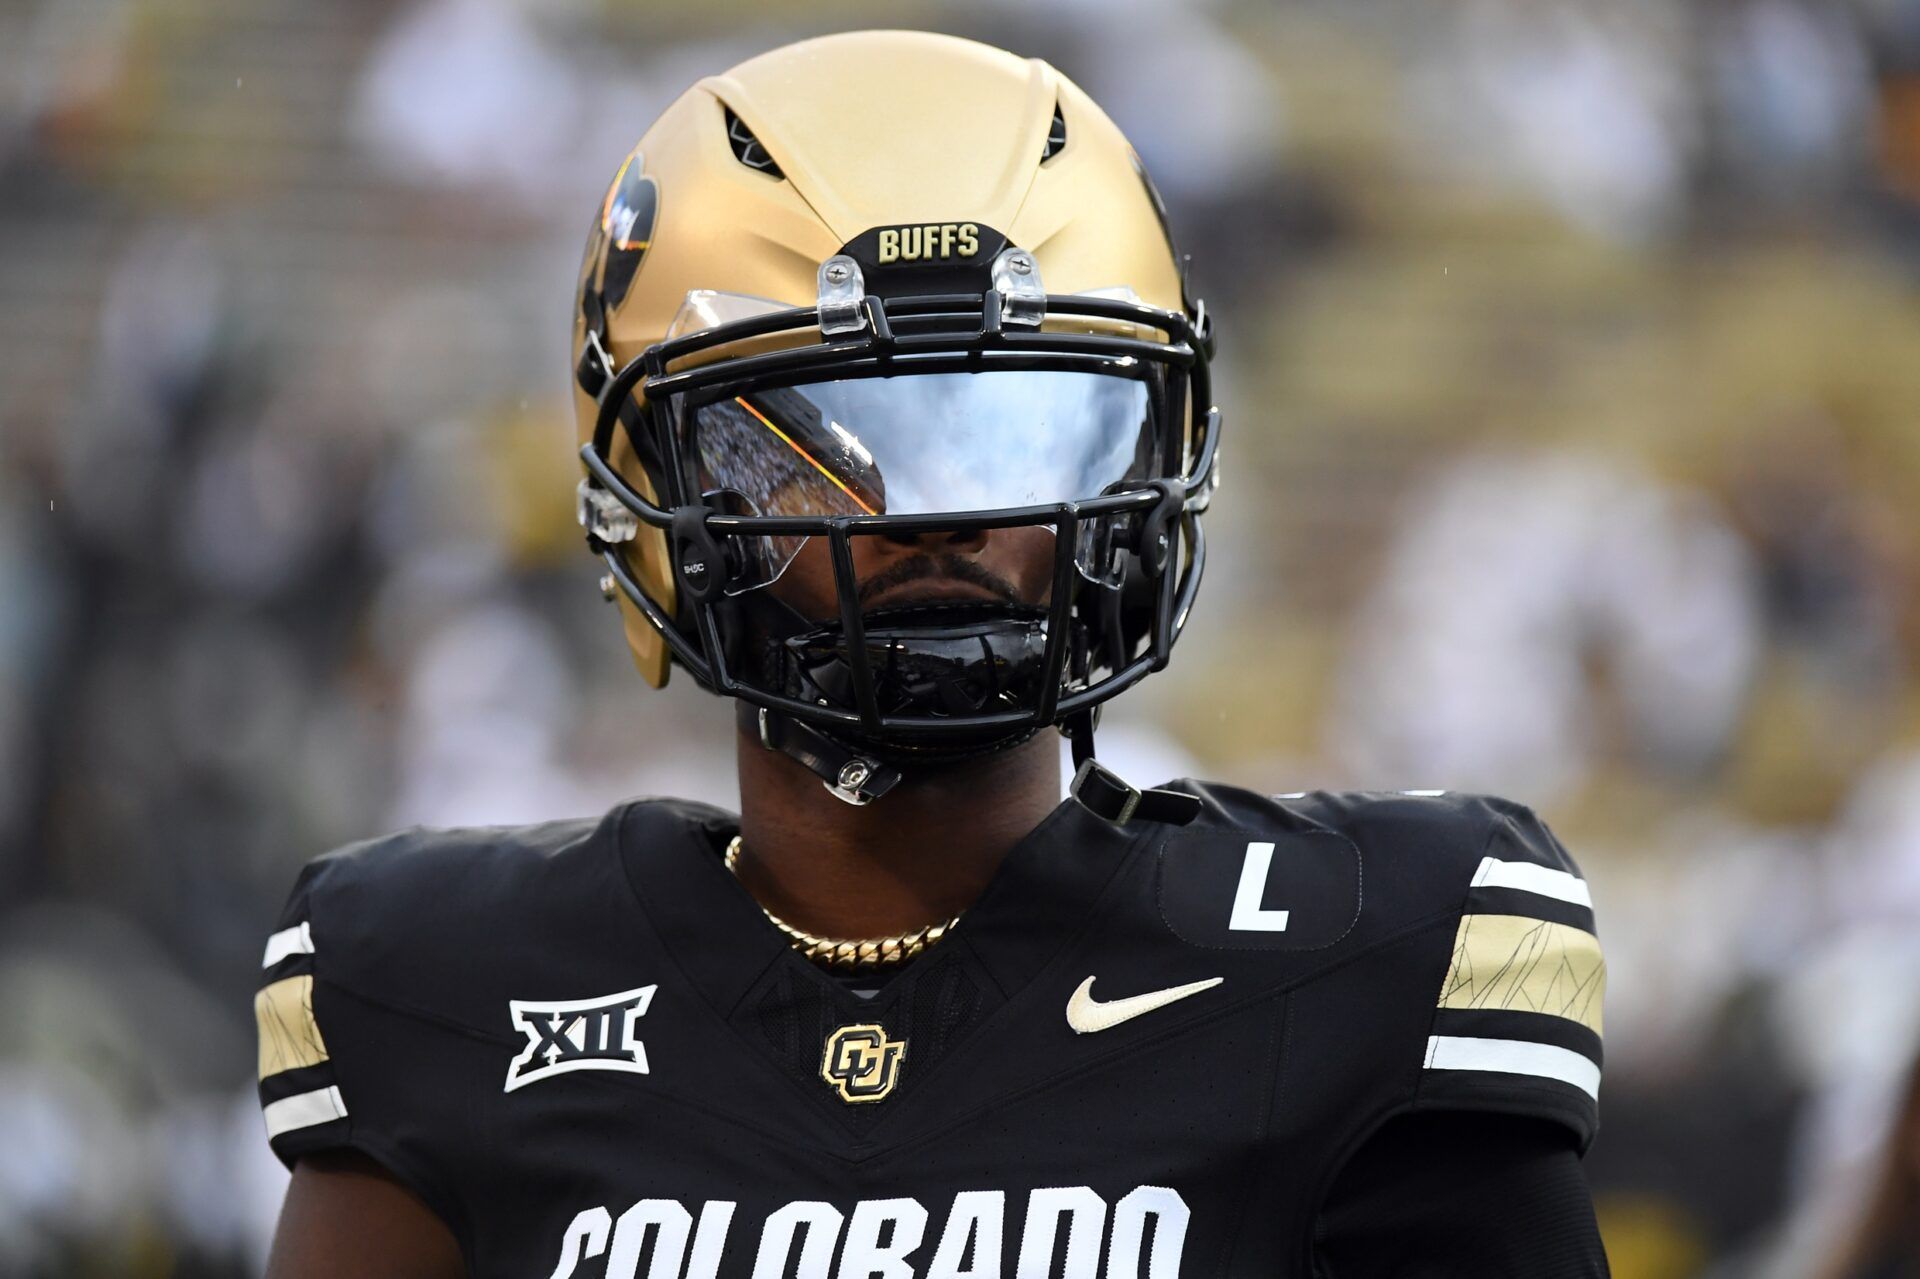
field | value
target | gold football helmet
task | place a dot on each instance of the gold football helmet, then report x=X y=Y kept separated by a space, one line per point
x=884 y=282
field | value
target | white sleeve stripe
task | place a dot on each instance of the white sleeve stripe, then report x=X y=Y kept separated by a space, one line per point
x=297 y=940
x=1514 y=1057
x=1529 y=877
x=303 y=1110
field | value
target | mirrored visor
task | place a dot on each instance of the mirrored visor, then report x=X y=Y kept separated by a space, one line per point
x=913 y=444
x=925 y=443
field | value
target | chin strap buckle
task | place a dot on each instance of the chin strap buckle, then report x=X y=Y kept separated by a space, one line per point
x=850 y=782
x=1105 y=793
x=848 y=776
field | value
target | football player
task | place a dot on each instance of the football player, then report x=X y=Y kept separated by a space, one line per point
x=897 y=431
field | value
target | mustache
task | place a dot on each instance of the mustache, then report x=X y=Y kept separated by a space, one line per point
x=957 y=567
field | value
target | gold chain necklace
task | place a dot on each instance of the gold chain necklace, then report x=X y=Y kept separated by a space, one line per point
x=877 y=952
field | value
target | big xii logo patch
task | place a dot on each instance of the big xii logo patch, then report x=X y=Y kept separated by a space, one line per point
x=579 y=1034
x=861 y=1063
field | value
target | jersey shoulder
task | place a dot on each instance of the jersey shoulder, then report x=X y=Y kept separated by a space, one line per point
x=1421 y=850
x=394 y=956
x=416 y=918
x=1459 y=921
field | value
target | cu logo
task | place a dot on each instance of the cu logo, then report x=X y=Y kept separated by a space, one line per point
x=861 y=1063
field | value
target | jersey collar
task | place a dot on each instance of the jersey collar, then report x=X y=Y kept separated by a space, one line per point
x=1035 y=904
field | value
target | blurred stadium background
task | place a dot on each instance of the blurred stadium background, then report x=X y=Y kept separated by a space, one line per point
x=1571 y=355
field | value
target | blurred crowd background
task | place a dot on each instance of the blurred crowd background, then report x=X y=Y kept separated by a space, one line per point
x=1571 y=360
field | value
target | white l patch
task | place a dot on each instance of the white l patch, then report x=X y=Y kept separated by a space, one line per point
x=1248 y=915
x=579 y=1034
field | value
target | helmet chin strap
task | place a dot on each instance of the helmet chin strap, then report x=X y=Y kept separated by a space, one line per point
x=848 y=775
x=859 y=779
x=943 y=658
x=852 y=776
x=1079 y=733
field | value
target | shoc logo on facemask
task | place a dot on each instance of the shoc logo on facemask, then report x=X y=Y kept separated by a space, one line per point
x=928 y=242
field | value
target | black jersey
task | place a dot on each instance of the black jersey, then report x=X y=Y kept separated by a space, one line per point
x=1147 y=1050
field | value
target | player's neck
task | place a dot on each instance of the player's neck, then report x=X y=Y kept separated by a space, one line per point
x=919 y=855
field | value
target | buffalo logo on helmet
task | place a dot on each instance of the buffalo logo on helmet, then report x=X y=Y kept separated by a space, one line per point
x=622 y=232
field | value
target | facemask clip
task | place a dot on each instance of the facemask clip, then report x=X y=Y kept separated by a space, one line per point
x=1016 y=278
x=843 y=296
x=602 y=515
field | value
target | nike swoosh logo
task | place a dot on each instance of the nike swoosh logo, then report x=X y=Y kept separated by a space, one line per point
x=1087 y=1014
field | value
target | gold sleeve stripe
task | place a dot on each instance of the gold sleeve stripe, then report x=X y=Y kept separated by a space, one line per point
x=289 y=1036
x=1526 y=965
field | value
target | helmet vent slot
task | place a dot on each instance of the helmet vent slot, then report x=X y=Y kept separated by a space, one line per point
x=1056 y=136
x=747 y=149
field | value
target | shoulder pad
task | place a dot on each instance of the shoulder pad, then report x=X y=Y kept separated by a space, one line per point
x=1515 y=966
x=385 y=942
x=1391 y=858
x=1517 y=1019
